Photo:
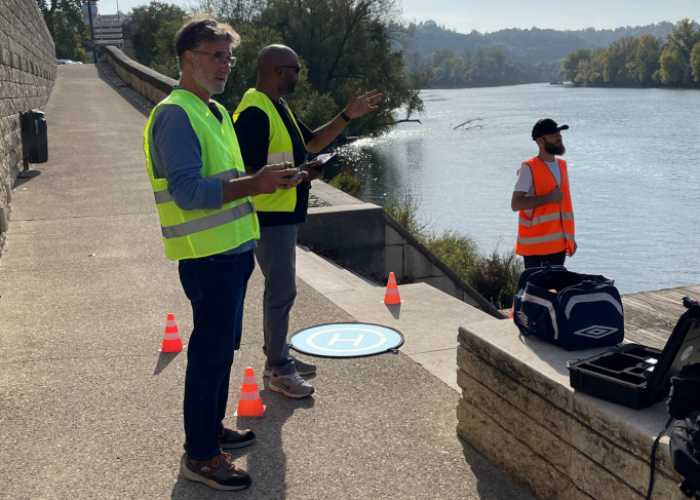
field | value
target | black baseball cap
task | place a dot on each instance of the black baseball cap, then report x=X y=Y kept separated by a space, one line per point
x=546 y=126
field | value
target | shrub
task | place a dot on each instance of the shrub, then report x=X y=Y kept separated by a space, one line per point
x=494 y=276
x=348 y=182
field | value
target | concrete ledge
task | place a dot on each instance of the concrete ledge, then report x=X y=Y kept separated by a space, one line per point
x=373 y=242
x=147 y=82
x=518 y=409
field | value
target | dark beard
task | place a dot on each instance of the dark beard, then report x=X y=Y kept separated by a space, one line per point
x=553 y=149
x=291 y=88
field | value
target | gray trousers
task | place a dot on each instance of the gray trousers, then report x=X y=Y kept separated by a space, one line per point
x=276 y=253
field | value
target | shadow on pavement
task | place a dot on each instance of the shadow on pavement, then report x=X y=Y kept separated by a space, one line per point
x=126 y=98
x=395 y=310
x=265 y=461
x=164 y=359
x=25 y=177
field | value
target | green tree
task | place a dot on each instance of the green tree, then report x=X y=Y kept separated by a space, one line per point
x=681 y=41
x=571 y=63
x=165 y=59
x=695 y=61
x=673 y=66
x=347 y=45
x=646 y=63
x=149 y=18
x=620 y=54
x=64 y=20
x=440 y=56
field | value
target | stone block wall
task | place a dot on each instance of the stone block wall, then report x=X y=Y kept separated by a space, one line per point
x=519 y=410
x=27 y=75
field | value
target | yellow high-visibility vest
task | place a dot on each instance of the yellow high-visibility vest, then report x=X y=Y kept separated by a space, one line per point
x=189 y=234
x=279 y=150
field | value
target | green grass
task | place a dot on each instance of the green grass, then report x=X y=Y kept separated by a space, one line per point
x=494 y=276
x=348 y=182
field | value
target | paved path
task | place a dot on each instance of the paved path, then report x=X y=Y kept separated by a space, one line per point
x=88 y=407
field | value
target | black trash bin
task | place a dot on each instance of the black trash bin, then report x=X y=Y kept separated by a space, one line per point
x=35 y=137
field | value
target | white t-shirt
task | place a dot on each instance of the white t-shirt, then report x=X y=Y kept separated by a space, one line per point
x=526 y=183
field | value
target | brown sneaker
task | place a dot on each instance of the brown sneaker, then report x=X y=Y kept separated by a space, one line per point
x=219 y=473
x=231 y=438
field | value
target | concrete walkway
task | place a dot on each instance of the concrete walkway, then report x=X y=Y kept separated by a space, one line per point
x=88 y=407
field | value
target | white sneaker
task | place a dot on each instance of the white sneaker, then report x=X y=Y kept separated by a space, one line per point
x=292 y=386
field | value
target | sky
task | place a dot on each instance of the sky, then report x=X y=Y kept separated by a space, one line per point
x=487 y=16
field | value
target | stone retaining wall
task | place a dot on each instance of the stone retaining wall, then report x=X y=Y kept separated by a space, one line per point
x=27 y=75
x=373 y=242
x=519 y=410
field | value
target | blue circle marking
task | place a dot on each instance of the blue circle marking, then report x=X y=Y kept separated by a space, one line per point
x=346 y=340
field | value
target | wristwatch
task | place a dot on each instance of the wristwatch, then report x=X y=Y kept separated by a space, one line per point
x=345 y=117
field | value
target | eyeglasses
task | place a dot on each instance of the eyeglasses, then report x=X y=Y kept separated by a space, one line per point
x=295 y=68
x=219 y=57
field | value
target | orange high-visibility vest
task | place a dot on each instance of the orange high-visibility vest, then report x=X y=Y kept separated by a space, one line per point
x=551 y=228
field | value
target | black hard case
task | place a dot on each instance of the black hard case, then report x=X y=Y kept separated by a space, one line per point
x=35 y=136
x=638 y=376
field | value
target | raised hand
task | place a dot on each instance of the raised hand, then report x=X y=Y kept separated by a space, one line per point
x=363 y=104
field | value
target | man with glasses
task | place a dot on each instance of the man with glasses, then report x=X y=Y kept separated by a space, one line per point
x=209 y=225
x=269 y=132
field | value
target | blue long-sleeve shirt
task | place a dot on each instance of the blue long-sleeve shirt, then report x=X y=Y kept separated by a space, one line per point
x=176 y=155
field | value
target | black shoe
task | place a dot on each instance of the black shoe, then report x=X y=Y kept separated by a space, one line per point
x=231 y=438
x=219 y=473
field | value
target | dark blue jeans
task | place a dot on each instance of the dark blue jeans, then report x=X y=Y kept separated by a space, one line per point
x=216 y=288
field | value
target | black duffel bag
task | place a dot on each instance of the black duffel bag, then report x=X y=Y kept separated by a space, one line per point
x=570 y=310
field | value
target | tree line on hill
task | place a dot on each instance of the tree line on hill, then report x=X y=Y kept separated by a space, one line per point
x=343 y=46
x=647 y=61
x=442 y=69
x=524 y=45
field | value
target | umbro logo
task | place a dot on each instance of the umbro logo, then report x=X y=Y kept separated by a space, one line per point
x=205 y=469
x=596 y=331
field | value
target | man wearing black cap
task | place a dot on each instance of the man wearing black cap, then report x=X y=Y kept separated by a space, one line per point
x=541 y=195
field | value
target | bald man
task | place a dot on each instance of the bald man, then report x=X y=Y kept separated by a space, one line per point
x=269 y=132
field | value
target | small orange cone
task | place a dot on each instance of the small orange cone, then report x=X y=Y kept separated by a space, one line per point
x=171 y=339
x=392 y=297
x=511 y=309
x=250 y=404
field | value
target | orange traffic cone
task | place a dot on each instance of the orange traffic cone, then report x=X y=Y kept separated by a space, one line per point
x=511 y=309
x=250 y=404
x=171 y=339
x=392 y=292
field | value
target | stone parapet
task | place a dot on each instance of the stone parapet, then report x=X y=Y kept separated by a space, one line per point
x=147 y=82
x=518 y=409
x=27 y=75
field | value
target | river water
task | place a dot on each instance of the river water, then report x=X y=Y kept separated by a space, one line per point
x=634 y=167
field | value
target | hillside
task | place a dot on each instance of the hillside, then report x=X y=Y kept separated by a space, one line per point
x=529 y=45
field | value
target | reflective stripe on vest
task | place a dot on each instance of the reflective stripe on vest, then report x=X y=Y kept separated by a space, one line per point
x=545 y=218
x=164 y=196
x=279 y=150
x=551 y=228
x=189 y=234
x=208 y=222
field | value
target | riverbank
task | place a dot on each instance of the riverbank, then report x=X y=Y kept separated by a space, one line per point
x=628 y=170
